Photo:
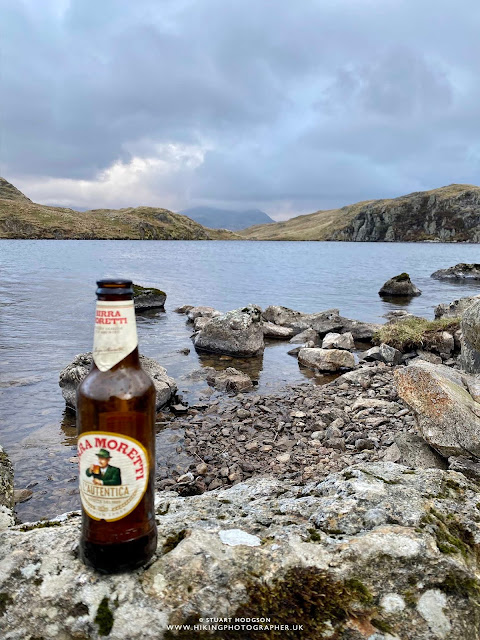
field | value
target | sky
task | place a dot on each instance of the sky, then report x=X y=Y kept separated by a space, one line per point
x=289 y=107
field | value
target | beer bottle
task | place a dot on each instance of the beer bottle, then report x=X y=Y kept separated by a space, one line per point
x=116 y=440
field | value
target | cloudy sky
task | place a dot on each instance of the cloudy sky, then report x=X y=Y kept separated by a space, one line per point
x=282 y=105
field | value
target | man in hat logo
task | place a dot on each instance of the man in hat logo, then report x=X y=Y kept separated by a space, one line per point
x=103 y=472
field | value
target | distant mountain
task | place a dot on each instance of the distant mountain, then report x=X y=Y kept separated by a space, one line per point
x=22 y=218
x=447 y=214
x=226 y=219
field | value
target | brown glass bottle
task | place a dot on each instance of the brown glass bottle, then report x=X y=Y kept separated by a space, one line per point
x=116 y=441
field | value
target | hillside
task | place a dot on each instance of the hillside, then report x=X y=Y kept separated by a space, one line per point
x=227 y=219
x=21 y=218
x=447 y=214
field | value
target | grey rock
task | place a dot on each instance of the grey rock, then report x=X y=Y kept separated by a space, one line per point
x=338 y=341
x=326 y=359
x=461 y=271
x=308 y=335
x=374 y=534
x=455 y=309
x=469 y=468
x=229 y=380
x=200 y=322
x=427 y=356
x=400 y=285
x=322 y=322
x=364 y=443
x=383 y=353
x=447 y=416
x=276 y=332
x=7 y=500
x=146 y=298
x=22 y=495
x=470 y=341
x=184 y=309
x=202 y=312
x=416 y=453
x=236 y=333
x=76 y=371
x=360 y=330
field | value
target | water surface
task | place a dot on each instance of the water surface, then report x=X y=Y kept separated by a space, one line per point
x=47 y=305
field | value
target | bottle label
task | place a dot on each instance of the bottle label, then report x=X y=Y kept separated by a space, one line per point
x=113 y=471
x=115 y=333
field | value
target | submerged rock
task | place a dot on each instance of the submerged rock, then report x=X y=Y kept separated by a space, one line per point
x=447 y=415
x=326 y=359
x=470 y=340
x=146 y=298
x=461 y=271
x=76 y=371
x=375 y=551
x=400 y=285
x=235 y=333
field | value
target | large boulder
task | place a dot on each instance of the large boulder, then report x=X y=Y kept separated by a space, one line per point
x=400 y=285
x=76 y=371
x=323 y=322
x=360 y=330
x=447 y=415
x=236 y=333
x=461 y=271
x=376 y=551
x=326 y=359
x=470 y=341
x=412 y=450
x=455 y=309
x=7 y=501
x=146 y=298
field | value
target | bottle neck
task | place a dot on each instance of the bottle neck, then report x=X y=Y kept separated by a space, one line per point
x=115 y=342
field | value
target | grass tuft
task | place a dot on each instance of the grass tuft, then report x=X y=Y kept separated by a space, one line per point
x=415 y=333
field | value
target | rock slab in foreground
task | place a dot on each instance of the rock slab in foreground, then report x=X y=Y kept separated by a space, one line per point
x=376 y=551
x=7 y=501
x=447 y=415
x=76 y=371
x=235 y=333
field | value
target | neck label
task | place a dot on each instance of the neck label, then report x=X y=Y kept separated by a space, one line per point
x=115 y=332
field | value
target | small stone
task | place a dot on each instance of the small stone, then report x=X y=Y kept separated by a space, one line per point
x=283 y=457
x=186 y=477
x=201 y=468
x=251 y=446
x=21 y=495
x=74 y=459
x=364 y=443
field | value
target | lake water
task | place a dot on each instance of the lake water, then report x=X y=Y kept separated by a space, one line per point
x=47 y=301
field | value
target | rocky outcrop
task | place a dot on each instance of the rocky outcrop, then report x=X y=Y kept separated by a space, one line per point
x=376 y=551
x=9 y=192
x=201 y=312
x=76 y=371
x=326 y=359
x=455 y=309
x=461 y=271
x=448 y=417
x=7 y=501
x=236 y=333
x=148 y=298
x=400 y=285
x=470 y=340
x=322 y=322
x=448 y=214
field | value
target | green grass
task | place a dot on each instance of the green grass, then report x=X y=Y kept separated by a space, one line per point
x=415 y=333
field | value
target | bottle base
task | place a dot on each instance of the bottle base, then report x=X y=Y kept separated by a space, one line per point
x=119 y=557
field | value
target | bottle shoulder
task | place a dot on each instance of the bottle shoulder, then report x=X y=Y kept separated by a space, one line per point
x=119 y=382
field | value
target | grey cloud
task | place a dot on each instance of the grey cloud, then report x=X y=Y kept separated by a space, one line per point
x=317 y=104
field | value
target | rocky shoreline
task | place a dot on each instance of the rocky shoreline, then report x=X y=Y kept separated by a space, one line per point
x=350 y=508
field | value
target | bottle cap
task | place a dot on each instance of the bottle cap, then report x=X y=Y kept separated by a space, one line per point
x=114 y=286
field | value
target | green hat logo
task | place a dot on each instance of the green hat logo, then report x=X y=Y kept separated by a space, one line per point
x=103 y=453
